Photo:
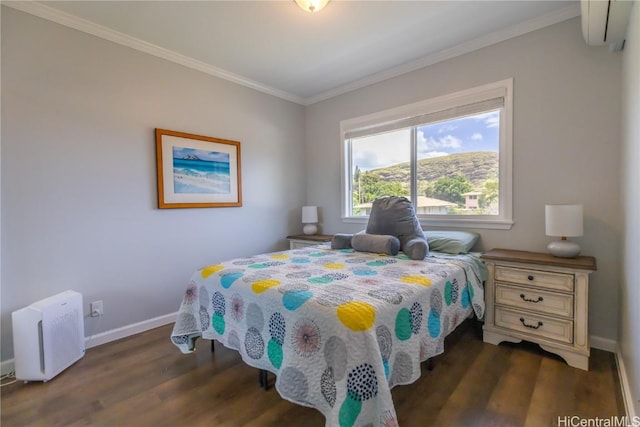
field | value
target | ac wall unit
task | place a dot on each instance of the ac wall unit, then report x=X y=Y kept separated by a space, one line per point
x=605 y=22
x=48 y=336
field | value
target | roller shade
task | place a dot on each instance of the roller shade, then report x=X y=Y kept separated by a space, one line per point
x=431 y=117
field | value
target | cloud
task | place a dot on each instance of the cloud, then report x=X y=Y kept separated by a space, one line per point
x=450 y=141
x=381 y=150
x=493 y=122
x=210 y=156
x=490 y=119
x=432 y=144
x=476 y=136
x=367 y=160
x=431 y=154
x=447 y=128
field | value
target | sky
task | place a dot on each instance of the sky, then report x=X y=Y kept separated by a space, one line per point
x=210 y=156
x=479 y=132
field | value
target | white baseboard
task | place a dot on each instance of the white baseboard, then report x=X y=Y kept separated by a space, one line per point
x=136 y=328
x=627 y=396
x=7 y=366
x=603 y=344
x=612 y=346
x=127 y=331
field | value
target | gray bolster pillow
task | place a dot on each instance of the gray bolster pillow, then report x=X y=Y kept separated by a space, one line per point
x=376 y=243
x=416 y=248
x=341 y=241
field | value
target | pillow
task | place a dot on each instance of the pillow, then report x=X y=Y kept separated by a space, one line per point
x=376 y=243
x=341 y=241
x=451 y=242
x=395 y=216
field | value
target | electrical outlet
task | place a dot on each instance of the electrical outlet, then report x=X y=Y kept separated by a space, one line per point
x=97 y=309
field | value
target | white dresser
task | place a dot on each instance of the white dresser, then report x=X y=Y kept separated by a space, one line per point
x=302 y=240
x=539 y=298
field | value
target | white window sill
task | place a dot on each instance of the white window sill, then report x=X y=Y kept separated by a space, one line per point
x=492 y=224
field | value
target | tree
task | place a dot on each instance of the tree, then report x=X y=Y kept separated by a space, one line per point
x=490 y=193
x=452 y=189
x=425 y=188
x=369 y=187
x=357 y=191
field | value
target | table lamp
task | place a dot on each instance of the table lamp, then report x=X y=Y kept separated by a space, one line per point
x=563 y=221
x=310 y=219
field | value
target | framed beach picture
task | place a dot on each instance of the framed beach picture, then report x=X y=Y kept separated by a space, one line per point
x=197 y=171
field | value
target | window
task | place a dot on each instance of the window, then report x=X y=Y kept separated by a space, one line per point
x=450 y=155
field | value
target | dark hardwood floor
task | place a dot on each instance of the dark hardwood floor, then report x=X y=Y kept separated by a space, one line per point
x=145 y=381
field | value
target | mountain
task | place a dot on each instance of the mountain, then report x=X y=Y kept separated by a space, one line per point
x=477 y=166
x=191 y=157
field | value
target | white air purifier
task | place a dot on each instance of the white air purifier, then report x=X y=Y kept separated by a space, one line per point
x=48 y=336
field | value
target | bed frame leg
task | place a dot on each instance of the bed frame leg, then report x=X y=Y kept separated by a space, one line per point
x=430 y=364
x=213 y=348
x=263 y=379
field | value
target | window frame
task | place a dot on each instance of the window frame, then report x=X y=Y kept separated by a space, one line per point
x=502 y=88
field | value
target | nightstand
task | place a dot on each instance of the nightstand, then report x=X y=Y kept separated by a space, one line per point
x=539 y=298
x=301 y=240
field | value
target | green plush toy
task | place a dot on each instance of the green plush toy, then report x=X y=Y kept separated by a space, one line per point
x=394 y=218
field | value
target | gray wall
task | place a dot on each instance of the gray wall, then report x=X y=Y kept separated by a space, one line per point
x=78 y=167
x=629 y=337
x=79 y=175
x=566 y=143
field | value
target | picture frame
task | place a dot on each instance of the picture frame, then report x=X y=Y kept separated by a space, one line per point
x=196 y=171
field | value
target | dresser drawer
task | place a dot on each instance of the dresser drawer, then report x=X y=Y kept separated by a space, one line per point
x=297 y=244
x=537 y=278
x=533 y=299
x=533 y=324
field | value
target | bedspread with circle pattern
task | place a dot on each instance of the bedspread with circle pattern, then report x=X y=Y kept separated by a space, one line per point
x=339 y=328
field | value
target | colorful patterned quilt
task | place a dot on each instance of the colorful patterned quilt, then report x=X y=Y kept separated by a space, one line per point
x=339 y=328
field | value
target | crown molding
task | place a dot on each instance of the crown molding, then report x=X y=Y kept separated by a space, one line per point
x=542 y=21
x=71 y=21
x=42 y=11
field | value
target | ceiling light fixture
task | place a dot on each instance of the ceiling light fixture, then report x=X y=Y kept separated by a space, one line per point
x=312 y=5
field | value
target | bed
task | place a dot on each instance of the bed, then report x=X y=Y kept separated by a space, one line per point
x=338 y=328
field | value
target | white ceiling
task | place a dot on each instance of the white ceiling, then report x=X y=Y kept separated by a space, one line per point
x=276 y=47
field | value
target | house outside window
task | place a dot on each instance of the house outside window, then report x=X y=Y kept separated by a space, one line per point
x=471 y=199
x=451 y=156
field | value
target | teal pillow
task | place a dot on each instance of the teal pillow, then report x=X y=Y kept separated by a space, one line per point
x=451 y=242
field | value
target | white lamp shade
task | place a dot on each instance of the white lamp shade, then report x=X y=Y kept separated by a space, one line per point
x=309 y=214
x=563 y=220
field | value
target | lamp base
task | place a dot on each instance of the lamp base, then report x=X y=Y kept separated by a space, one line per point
x=310 y=229
x=564 y=249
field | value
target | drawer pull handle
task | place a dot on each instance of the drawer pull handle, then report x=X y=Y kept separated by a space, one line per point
x=530 y=326
x=531 y=300
x=530 y=277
